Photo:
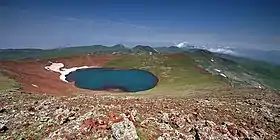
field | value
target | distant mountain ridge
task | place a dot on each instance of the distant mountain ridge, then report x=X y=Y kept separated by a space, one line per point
x=142 y=48
x=10 y=54
x=169 y=50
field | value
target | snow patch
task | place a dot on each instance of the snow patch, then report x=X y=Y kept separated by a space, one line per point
x=35 y=86
x=223 y=75
x=156 y=50
x=217 y=70
x=183 y=44
x=58 y=67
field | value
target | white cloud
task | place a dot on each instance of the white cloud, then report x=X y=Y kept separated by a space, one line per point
x=221 y=50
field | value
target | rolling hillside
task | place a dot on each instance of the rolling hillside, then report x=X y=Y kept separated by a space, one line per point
x=238 y=71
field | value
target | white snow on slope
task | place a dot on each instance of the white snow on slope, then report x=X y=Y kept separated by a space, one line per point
x=182 y=44
x=58 y=67
x=217 y=70
x=155 y=50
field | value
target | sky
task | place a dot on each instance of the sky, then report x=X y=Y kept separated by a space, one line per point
x=250 y=24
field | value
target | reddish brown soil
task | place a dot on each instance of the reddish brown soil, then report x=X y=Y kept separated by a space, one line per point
x=30 y=72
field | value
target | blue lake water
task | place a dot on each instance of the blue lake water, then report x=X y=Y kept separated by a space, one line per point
x=131 y=80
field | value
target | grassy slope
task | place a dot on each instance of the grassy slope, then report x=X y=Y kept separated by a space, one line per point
x=266 y=73
x=6 y=83
x=175 y=74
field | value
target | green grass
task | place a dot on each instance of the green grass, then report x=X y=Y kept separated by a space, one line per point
x=6 y=83
x=175 y=74
x=268 y=74
x=141 y=135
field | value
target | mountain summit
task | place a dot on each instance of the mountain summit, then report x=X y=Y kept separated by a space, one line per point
x=141 y=48
x=182 y=44
x=118 y=46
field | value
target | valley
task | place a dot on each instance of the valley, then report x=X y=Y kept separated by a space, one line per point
x=199 y=95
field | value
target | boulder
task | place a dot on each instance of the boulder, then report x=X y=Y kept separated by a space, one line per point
x=124 y=130
x=3 y=128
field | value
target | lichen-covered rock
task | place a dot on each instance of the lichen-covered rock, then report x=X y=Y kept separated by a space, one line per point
x=3 y=127
x=124 y=130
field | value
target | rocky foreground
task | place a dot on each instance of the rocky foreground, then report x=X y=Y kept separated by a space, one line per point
x=36 y=116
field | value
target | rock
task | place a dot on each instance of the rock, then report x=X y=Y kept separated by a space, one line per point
x=44 y=119
x=124 y=130
x=30 y=138
x=267 y=114
x=105 y=117
x=243 y=133
x=165 y=127
x=223 y=129
x=260 y=133
x=90 y=126
x=3 y=128
x=160 y=138
x=131 y=116
x=179 y=122
x=232 y=128
x=65 y=116
x=87 y=126
x=165 y=117
x=3 y=110
x=31 y=109
x=237 y=110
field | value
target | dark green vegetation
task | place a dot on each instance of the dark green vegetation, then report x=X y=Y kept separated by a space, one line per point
x=141 y=49
x=191 y=70
x=266 y=73
x=170 y=50
x=239 y=71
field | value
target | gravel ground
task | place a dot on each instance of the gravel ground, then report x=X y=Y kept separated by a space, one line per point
x=256 y=115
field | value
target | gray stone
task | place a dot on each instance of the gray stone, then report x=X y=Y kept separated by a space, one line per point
x=124 y=130
x=3 y=128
